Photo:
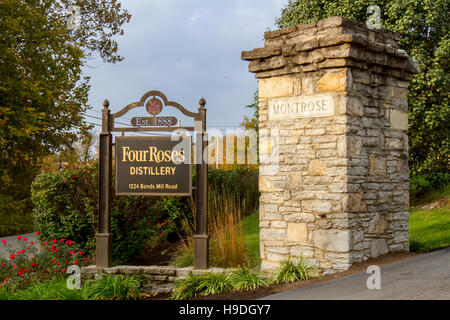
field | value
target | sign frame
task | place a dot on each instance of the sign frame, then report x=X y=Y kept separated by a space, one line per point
x=104 y=235
x=189 y=193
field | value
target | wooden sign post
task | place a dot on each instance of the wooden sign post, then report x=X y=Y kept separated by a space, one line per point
x=152 y=166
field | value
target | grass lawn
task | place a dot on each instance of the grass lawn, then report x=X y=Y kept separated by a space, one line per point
x=429 y=228
x=250 y=230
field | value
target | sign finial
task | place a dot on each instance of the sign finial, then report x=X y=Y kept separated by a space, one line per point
x=106 y=103
x=202 y=102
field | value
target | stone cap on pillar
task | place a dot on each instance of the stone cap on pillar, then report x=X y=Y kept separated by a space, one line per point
x=331 y=43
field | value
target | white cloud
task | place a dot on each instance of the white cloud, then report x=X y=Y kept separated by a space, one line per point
x=188 y=49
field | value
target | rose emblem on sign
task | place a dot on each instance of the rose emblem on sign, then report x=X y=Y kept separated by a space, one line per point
x=154 y=106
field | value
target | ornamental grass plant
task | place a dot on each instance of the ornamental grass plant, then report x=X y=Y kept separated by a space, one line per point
x=115 y=287
x=292 y=270
x=227 y=247
x=243 y=280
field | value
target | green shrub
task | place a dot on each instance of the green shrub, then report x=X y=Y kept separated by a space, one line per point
x=66 y=206
x=292 y=270
x=417 y=246
x=203 y=285
x=215 y=282
x=187 y=288
x=115 y=287
x=110 y=287
x=244 y=279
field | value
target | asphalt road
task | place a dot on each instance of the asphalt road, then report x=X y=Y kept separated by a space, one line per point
x=13 y=243
x=425 y=277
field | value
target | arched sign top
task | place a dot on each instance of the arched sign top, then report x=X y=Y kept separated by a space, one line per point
x=154 y=93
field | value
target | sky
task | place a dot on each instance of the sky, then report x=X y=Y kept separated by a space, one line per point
x=188 y=50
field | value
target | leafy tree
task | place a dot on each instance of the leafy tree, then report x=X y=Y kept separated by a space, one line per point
x=424 y=27
x=80 y=153
x=42 y=92
x=253 y=122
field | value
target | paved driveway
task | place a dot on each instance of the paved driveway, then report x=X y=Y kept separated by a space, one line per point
x=13 y=243
x=424 y=277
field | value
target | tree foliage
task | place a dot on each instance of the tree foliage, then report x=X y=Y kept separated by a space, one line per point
x=42 y=92
x=424 y=27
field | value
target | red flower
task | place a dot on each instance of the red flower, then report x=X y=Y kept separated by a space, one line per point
x=4 y=241
x=58 y=263
x=56 y=250
x=19 y=273
x=3 y=264
x=54 y=240
x=72 y=251
x=31 y=242
x=53 y=260
x=37 y=232
x=55 y=270
x=80 y=253
x=76 y=262
x=25 y=239
x=62 y=240
x=44 y=243
x=162 y=224
x=67 y=262
x=6 y=279
x=25 y=270
x=52 y=248
x=63 y=270
x=19 y=237
x=22 y=251
x=33 y=265
x=86 y=261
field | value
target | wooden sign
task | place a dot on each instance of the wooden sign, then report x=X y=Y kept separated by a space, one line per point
x=153 y=166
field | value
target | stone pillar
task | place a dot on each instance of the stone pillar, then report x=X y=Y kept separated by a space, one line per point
x=333 y=94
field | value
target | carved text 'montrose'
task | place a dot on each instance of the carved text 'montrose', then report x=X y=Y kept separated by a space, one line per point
x=301 y=107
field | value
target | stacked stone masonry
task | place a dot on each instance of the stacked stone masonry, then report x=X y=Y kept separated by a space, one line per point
x=156 y=279
x=339 y=193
